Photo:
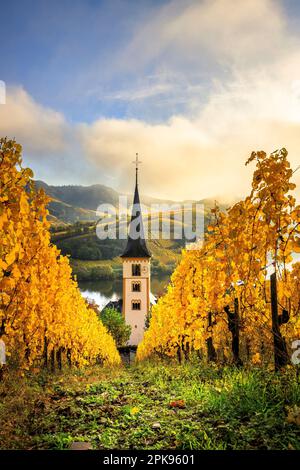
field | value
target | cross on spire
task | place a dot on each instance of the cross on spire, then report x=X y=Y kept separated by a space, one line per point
x=137 y=162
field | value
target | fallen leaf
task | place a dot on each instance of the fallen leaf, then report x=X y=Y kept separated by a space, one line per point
x=156 y=425
x=177 y=404
x=293 y=416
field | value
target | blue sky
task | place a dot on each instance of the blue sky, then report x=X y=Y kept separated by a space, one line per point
x=190 y=87
x=64 y=54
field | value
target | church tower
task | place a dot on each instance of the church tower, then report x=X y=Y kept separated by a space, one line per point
x=136 y=272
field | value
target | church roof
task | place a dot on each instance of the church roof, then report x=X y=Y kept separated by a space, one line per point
x=115 y=304
x=136 y=245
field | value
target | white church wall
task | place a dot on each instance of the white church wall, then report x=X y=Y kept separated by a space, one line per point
x=136 y=318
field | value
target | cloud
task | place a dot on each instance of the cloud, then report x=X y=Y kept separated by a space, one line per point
x=253 y=104
x=191 y=45
x=141 y=93
x=184 y=158
x=200 y=157
x=169 y=153
x=237 y=31
x=41 y=130
x=235 y=65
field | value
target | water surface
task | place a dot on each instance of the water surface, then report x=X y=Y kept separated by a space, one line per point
x=101 y=292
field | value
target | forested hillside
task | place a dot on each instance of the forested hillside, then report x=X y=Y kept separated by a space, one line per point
x=72 y=213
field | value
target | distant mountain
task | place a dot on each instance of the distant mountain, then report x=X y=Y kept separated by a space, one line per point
x=90 y=255
x=87 y=197
x=79 y=203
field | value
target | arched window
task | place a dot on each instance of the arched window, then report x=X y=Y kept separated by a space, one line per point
x=136 y=286
x=136 y=305
x=136 y=269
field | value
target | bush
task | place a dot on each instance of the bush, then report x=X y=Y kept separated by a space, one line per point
x=92 y=273
x=163 y=269
x=102 y=273
x=88 y=252
x=115 y=323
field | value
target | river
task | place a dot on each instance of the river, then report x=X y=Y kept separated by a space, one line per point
x=104 y=291
x=101 y=292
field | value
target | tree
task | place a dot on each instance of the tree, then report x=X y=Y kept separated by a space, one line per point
x=220 y=299
x=115 y=324
x=42 y=312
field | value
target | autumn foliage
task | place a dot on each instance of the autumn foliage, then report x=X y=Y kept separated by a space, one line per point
x=219 y=301
x=43 y=317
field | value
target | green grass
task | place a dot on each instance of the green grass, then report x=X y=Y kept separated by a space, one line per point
x=225 y=408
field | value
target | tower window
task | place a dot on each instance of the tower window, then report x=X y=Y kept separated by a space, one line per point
x=136 y=269
x=136 y=305
x=136 y=287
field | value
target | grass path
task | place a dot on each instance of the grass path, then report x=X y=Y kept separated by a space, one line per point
x=151 y=406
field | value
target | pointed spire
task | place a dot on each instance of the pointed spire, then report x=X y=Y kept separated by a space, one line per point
x=136 y=247
x=137 y=162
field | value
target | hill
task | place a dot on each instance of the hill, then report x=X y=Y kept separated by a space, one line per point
x=75 y=203
x=73 y=226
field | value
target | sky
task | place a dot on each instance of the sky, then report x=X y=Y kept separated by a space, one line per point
x=193 y=86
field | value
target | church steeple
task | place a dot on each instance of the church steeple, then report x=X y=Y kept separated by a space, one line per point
x=136 y=244
x=137 y=162
x=136 y=271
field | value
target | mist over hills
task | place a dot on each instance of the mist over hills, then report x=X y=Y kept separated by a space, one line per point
x=73 y=217
x=74 y=203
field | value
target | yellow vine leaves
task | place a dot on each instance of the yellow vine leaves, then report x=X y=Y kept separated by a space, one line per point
x=41 y=309
x=241 y=247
